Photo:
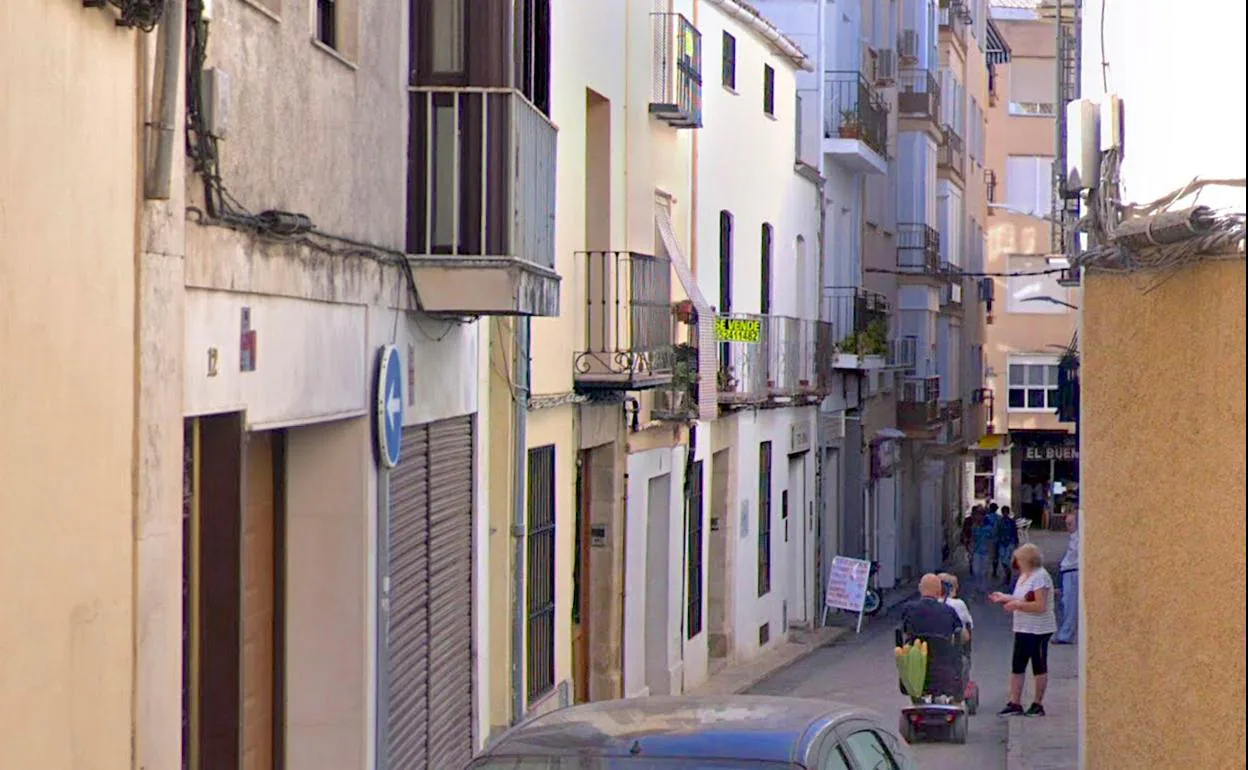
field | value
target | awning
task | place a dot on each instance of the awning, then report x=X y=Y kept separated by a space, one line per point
x=708 y=383
x=889 y=433
x=991 y=443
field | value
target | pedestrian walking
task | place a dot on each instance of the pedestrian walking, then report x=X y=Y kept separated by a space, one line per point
x=968 y=537
x=1068 y=576
x=991 y=519
x=1007 y=541
x=981 y=555
x=1031 y=604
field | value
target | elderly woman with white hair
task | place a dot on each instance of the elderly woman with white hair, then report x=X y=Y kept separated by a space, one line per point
x=1034 y=625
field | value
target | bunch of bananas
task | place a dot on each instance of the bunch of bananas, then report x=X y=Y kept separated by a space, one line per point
x=912 y=667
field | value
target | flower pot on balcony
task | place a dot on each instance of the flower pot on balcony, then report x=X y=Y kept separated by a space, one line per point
x=850 y=132
x=685 y=312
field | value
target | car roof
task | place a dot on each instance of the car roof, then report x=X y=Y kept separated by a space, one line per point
x=752 y=727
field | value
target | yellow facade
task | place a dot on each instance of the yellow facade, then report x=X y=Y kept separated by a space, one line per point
x=69 y=172
x=1162 y=377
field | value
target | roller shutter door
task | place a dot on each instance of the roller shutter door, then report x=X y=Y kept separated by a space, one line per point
x=429 y=642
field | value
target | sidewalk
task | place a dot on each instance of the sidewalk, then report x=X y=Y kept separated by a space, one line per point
x=741 y=677
x=1050 y=742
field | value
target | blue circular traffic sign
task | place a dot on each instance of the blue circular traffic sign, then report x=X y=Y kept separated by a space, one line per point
x=389 y=409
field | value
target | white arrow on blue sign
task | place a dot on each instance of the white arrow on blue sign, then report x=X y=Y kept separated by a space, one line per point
x=389 y=412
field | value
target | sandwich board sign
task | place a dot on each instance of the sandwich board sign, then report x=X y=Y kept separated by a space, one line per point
x=847 y=586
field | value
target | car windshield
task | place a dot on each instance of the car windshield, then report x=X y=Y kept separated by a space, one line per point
x=625 y=763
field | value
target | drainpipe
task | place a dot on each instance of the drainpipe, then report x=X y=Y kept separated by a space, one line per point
x=520 y=400
x=157 y=182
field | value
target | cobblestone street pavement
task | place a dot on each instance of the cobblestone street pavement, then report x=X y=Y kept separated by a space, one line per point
x=861 y=670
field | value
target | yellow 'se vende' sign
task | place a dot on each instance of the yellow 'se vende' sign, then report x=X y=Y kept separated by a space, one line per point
x=738 y=330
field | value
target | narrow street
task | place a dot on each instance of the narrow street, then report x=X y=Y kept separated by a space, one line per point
x=860 y=670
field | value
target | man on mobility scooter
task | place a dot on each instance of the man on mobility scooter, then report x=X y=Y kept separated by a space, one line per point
x=936 y=627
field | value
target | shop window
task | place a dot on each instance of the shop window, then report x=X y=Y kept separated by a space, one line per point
x=985 y=477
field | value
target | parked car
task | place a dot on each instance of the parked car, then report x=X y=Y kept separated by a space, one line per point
x=743 y=732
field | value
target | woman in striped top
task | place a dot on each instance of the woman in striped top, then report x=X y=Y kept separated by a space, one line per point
x=1034 y=624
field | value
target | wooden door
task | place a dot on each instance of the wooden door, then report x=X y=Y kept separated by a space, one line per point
x=581 y=611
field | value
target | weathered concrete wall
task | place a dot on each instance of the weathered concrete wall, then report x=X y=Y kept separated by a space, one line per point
x=68 y=244
x=1163 y=496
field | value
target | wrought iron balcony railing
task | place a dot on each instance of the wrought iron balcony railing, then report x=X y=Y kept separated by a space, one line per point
x=918 y=94
x=676 y=90
x=859 y=319
x=918 y=248
x=626 y=343
x=918 y=406
x=952 y=153
x=990 y=186
x=951 y=416
x=482 y=176
x=767 y=357
x=854 y=111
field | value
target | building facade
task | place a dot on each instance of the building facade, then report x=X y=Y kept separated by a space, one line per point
x=1029 y=456
x=70 y=203
x=1184 y=329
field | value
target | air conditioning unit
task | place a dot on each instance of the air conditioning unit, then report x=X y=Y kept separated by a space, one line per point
x=885 y=66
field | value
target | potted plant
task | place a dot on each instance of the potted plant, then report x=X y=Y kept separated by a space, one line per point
x=851 y=126
x=685 y=312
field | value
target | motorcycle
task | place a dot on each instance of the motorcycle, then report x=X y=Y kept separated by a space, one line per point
x=872 y=603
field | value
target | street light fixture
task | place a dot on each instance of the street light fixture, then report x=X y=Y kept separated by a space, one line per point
x=1053 y=300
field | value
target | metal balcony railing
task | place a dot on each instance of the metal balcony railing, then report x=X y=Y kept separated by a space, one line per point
x=951 y=416
x=918 y=248
x=918 y=94
x=626 y=343
x=859 y=319
x=854 y=110
x=767 y=357
x=990 y=186
x=954 y=17
x=676 y=89
x=481 y=179
x=952 y=152
x=918 y=406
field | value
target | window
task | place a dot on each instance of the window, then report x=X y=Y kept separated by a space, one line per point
x=1029 y=184
x=1033 y=87
x=446 y=36
x=869 y=751
x=1033 y=383
x=769 y=90
x=540 y=584
x=532 y=50
x=765 y=271
x=693 y=551
x=725 y=262
x=730 y=62
x=985 y=477
x=327 y=22
x=835 y=759
x=764 y=518
x=1036 y=294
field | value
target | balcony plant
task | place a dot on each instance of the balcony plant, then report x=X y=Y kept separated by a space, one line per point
x=871 y=341
x=684 y=312
x=851 y=125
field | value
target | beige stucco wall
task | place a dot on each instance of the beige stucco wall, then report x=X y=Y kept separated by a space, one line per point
x=1011 y=233
x=68 y=176
x=1163 y=490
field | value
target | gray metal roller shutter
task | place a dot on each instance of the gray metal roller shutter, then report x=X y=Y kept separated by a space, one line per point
x=430 y=643
x=408 y=651
x=450 y=594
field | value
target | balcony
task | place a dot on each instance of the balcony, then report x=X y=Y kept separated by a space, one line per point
x=626 y=343
x=918 y=95
x=951 y=156
x=859 y=321
x=990 y=187
x=951 y=417
x=918 y=406
x=918 y=249
x=855 y=123
x=774 y=360
x=676 y=89
x=481 y=203
x=954 y=18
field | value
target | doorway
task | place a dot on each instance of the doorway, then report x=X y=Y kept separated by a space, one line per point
x=719 y=637
x=580 y=578
x=658 y=610
x=232 y=555
x=792 y=516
